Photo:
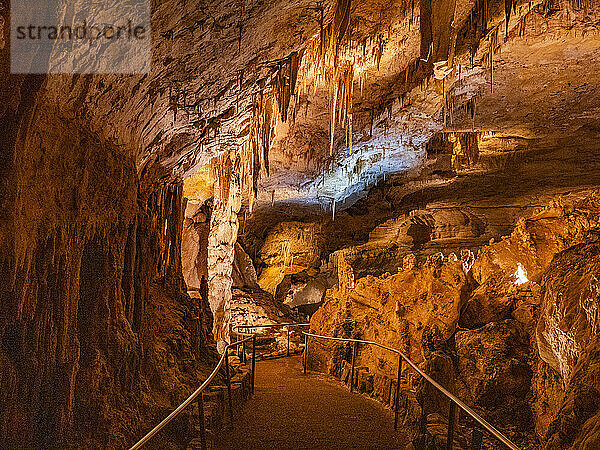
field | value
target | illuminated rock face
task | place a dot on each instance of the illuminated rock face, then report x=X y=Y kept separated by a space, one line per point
x=494 y=372
x=194 y=245
x=567 y=388
x=95 y=322
x=221 y=255
x=244 y=274
x=524 y=351
x=396 y=309
x=289 y=248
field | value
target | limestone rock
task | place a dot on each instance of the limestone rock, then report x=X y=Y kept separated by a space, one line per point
x=95 y=326
x=345 y=276
x=194 y=244
x=289 y=248
x=222 y=238
x=494 y=301
x=569 y=317
x=243 y=273
x=309 y=289
x=567 y=388
x=253 y=306
x=395 y=310
x=409 y=262
x=423 y=226
x=493 y=365
x=534 y=242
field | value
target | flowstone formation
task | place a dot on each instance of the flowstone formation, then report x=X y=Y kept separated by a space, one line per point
x=98 y=337
x=510 y=332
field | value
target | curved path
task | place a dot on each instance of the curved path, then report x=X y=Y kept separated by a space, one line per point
x=290 y=410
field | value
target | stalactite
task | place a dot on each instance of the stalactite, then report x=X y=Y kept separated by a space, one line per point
x=251 y=203
x=333 y=117
x=341 y=109
x=284 y=82
x=492 y=49
x=240 y=26
x=286 y=253
x=522 y=25
x=221 y=169
x=350 y=134
x=322 y=31
x=379 y=50
x=581 y=4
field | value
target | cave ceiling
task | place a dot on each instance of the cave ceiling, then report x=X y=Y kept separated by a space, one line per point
x=320 y=101
x=527 y=101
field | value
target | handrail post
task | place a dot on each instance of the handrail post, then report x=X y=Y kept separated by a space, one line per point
x=244 y=352
x=451 y=420
x=305 y=353
x=423 y=424
x=288 y=341
x=396 y=400
x=201 y=420
x=476 y=438
x=253 y=360
x=229 y=387
x=354 y=351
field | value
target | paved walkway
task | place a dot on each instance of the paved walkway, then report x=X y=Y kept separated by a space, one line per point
x=290 y=410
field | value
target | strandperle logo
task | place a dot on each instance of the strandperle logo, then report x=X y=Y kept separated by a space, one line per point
x=82 y=32
x=80 y=36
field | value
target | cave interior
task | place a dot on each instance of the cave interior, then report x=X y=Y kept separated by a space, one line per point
x=424 y=174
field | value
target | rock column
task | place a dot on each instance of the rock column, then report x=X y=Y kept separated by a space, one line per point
x=221 y=250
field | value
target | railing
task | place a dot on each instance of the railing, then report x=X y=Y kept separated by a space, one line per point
x=197 y=394
x=276 y=325
x=454 y=401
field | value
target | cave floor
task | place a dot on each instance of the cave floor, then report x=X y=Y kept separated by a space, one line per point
x=293 y=410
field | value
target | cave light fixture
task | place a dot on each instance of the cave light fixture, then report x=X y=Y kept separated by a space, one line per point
x=520 y=275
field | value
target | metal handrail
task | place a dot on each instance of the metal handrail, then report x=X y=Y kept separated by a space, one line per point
x=274 y=325
x=453 y=399
x=196 y=394
x=191 y=398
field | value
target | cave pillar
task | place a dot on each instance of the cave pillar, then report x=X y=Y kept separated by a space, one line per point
x=222 y=237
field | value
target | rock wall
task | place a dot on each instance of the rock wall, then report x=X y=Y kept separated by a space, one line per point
x=512 y=331
x=398 y=310
x=194 y=244
x=244 y=274
x=289 y=248
x=567 y=387
x=98 y=339
x=217 y=268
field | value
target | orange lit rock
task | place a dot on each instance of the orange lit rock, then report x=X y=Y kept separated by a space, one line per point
x=566 y=387
x=535 y=241
x=395 y=310
x=289 y=248
x=494 y=371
